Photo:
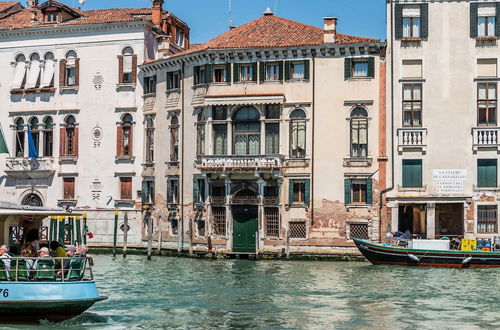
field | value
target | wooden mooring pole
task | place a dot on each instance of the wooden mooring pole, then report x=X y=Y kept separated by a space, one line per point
x=115 y=233
x=125 y=234
x=160 y=236
x=150 y=235
x=85 y=229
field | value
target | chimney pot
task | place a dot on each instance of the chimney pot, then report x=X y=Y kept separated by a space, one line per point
x=268 y=12
x=157 y=10
x=330 y=29
x=32 y=3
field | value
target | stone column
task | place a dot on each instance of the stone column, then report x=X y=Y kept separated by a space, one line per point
x=229 y=150
x=262 y=136
x=262 y=183
x=431 y=220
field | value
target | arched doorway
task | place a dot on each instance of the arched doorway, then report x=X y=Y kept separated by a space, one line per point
x=32 y=200
x=245 y=221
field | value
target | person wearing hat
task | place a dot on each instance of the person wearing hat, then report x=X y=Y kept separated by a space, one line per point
x=43 y=253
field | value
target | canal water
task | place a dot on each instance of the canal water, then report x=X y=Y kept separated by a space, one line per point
x=191 y=293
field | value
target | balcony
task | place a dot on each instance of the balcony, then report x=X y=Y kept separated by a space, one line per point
x=271 y=200
x=485 y=138
x=245 y=162
x=412 y=138
x=23 y=168
x=245 y=200
x=218 y=200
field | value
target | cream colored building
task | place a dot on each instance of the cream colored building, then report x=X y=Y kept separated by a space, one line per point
x=266 y=139
x=443 y=69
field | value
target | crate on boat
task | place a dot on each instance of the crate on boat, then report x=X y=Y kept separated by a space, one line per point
x=468 y=244
x=429 y=244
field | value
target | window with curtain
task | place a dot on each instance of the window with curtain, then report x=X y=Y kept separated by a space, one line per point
x=297 y=70
x=20 y=137
x=48 y=137
x=298 y=134
x=71 y=68
x=19 y=79
x=220 y=139
x=272 y=71
x=246 y=72
x=127 y=54
x=174 y=139
x=246 y=127
x=200 y=134
x=412 y=105
x=486 y=20
x=272 y=138
x=150 y=139
x=487 y=104
x=411 y=21
x=360 y=68
x=359 y=133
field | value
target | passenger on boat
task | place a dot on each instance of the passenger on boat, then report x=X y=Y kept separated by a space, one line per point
x=57 y=250
x=33 y=237
x=43 y=253
x=4 y=256
x=28 y=252
x=81 y=251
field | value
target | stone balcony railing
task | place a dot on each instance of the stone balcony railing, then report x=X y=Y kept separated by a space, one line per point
x=412 y=138
x=30 y=168
x=485 y=137
x=246 y=162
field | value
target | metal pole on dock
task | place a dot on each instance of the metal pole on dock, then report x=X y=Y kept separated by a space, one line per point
x=190 y=236
x=85 y=229
x=150 y=234
x=257 y=245
x=51 y=228
x=125 y=234
x=115 y=233
x=78 y=230
x=61 y=230
x=160 y=236
x=70 y=229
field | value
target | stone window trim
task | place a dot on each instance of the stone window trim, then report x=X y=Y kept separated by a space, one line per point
x=476 y=218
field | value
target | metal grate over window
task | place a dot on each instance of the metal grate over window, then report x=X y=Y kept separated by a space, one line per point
x=219 y=221
x=358 y=230
x=272 y=218
x=297 y=229
x=487 y=219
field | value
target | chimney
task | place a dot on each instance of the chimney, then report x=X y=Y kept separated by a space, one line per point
x=268 y=12
x=330 y=29
x=32 y=3
x=156 y=12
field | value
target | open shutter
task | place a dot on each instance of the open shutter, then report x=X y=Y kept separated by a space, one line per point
x=473 y=19
x=228 y=73
x=62 y=142
x=497 y=20
x=290 y=191
x=208 y=73
x=119 y=140
x=131 y=141
x=371 y=67
x=196 y=190
x=120 y=69
x=398 y=21
x=236 y=72
x=347 y=191
x=254 y=71
x=424 y=14
x=262 y=72
x=144 y=192
x=77 y=72
x=281 y=68
x=288 y=65
x=369 y=191
x=134 y=69
x=347 y=68
x=307 y=195
x=307 y=69
x=76 y=142
x=62 y=73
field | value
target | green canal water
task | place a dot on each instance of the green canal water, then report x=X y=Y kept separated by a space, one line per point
x=191 y=293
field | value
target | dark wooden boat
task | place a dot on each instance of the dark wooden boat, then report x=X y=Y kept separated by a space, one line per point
x=379 y=254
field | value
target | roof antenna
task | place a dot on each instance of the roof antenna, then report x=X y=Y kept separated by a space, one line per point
x=230 y=14
x=276 y=7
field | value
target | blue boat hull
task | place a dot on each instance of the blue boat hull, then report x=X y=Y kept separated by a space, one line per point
x=25 y=302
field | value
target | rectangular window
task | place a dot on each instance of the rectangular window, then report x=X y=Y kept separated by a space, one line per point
x=297 y=139
x=272 y=221
x=173 y=190
x=219 y=74
x=220 y=139
x=412 y=173
x=48 y=142
x=272 y=139
x=411 y=21
x=273 y=111
x=20 y=134
x=412 y=105
x=299 y=191
x=412 y=68
x=127 y=68
x=68 y=188
x=487 y=104
x=487 y=219
x=246 y=72
x=359 y=191
x=125 y=188
x=486 y=20
x=148 y=192
x=199 y=196
x=297 y=70
x=360 y=68
x=219 y=112
x=272 y=72
x=487 y=67
x=149 y=85
x=219 y=221
x=358 y=230
x=179 y=38
x=297 y=229
x=487 y=173
x=173 y=80
x=199 y=75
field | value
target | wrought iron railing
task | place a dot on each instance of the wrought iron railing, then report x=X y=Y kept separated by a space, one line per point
x=242 y=162
x=218 y=200
x=245 y=200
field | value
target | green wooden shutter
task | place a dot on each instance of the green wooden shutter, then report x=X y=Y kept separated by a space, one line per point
x=290 y=191
x=254 y=71
x=288 y=65
x=170 y=80
x=371 y=67
x=497 y=20
x=307 y=195
x=228 y=73
x=398 y=21
x=236 y=72
x=262 y=72
x=347 y=191
x=347 y=68
x=307 y=68
x=369 y=191
x=424 y=17
x=196 y=190
x=473 y=19
x=144 y=192
x=208 y=73
x=487 y=173
x=281 y=68
x=412 y=173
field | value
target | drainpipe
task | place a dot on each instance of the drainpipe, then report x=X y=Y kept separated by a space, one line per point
x=182 y=157
x=385 y=191
x=312 y=140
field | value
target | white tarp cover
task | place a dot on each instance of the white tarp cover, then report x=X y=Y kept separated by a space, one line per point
x=19 y=75
x=48 y=73
x=33 y=74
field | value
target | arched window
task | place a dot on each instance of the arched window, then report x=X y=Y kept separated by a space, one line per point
x=246 y=128
x=298 y=134
x=70 y=69
x=20 y=136
x=48 y=137
x=70 y=138
x=150 y=139
x=19 y=79
x=32 y=200
x=127 y=66
x=200 y=134
x=174 y=139
x=124 y=136
x=48 y=71
x=35 y=134
x=359 y=133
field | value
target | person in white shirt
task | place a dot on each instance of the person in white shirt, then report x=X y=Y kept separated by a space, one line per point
x=4 y=256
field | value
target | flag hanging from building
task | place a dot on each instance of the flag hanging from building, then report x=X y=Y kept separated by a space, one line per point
x=3 y=145
x=33 y=150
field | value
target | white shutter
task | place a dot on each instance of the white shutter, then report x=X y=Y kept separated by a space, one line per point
x=19 y=75
x=48 y=73
x=33 y=74
x=127 y=64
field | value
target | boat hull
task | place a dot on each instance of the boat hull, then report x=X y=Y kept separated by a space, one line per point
x=386 y=255
x=25 y=302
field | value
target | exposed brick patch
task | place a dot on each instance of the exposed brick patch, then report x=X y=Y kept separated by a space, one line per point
x=486 y=198
x=470 y=211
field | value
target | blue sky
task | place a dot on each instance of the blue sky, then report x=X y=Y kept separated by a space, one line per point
x=209 y=18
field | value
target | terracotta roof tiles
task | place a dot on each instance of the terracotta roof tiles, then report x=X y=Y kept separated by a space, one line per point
x=7 y=4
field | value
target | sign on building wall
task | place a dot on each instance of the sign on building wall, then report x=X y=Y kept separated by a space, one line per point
x=449 y=181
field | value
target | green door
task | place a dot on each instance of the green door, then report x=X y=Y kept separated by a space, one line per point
x=245 y=227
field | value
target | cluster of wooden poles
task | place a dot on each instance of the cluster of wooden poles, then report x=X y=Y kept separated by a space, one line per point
x=76 y=229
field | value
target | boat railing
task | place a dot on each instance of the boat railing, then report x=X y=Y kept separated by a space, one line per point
x=46 y=269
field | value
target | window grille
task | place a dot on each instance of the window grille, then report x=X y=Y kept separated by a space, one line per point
x=219 y=221
x=297 y=229
x=358 y=230
x=487 y=219
x=272 y=218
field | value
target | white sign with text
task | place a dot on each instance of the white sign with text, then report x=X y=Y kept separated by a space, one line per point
x=449 y=181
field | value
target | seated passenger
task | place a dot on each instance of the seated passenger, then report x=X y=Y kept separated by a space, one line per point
x=4 y=256
x=28 y=252
x=57 y=250
x=32 y=238
x=70 y=252
x=43 y=253
x=82 y=252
